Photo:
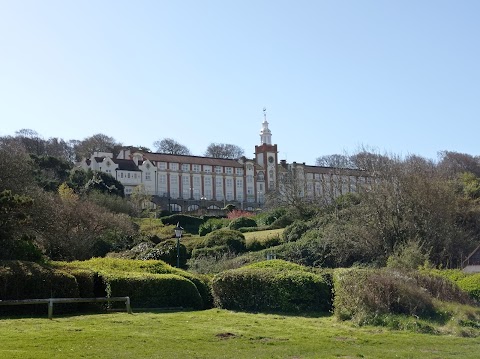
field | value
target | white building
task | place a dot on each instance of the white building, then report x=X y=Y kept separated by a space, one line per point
x=186 y=183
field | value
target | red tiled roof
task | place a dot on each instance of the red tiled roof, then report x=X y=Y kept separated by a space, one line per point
x=197 y=160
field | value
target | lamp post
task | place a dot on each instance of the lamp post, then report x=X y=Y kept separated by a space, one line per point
x=178 y=234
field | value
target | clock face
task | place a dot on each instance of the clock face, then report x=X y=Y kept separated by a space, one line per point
x=270 y=159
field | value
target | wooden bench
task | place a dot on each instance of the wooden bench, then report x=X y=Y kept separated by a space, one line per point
x=51 y=301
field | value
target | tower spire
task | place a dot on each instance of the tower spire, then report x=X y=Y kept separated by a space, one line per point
x=265 y=133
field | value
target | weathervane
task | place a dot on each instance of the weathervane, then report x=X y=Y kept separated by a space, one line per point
x=265 y=113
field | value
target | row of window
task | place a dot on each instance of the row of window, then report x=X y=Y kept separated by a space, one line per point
x=198 y=168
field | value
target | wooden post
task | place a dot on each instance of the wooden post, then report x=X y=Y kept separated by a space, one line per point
x=127 y=303
x=50 y=309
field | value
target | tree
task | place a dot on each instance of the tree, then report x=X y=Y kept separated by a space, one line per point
x=95 y=143
x=223 y=150
x=335 y=161
x=170 y=146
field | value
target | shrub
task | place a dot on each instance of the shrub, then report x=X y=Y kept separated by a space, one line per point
x=214 y=252
x=294 y=231
x=362 y=294
x=268 y=217
x=166 y=251
x=154 y=290
x=279 y=265
x=235 y=213
x=283 y=221
x=190 y=224
x=211 y=225
x=234 y=240
x=28 y=280
x=242 y=222
x=471 y=284
x=267 y=289
x=410 y=255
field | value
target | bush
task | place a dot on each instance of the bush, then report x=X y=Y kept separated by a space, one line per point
x=154 y=290
x=294 y=231
x=279 y=265
x=242 y=222
x=28 y=280
x=471 y=284
x=234 y=240
x=214 y=252
x=362 y=295
x=211 y=225
x=166 y=251
x=267 y=289
x=267 y=218
x=190 y=224
x=283 y=221
x=408 y=256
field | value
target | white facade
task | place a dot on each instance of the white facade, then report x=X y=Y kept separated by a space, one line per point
x=216 y=181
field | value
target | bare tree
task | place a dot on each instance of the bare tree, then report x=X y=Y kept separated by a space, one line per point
x=170 y=146
x=95 y=143
x=335 y=161
x=223 y=150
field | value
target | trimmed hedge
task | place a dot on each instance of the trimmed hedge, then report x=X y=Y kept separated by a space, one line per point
x=234 y=240
x=166 y=251
x=28 y=280
x=112 y=267
x=190 y=224
x=154 y=290
x=268 y=289
x=242 y=222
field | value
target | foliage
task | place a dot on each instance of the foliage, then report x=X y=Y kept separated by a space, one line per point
x=223 y=150
x=279 y=264
x=234 y=240
x=408 y=256
x=294 y=231
x=95 y=143
x=471 y=284
x=90 y=181
x=237 y=213
x=166 y=251
x=241 y=222
x=154 y=290
x=266 y=218
x=49 y=172
x=190 y=224
x=362 y=294
x=129 y=271
x=28 y=280
x=211 y=225
x=269 y=289
x=170 y=146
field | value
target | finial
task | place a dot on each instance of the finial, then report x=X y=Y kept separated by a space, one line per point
x=265 y=113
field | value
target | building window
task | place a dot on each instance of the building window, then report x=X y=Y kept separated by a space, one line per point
x=239 y=171
x=208 y=181
x=196 y=181
x=249 y=179
x=162 y=179
x=239 y=182
x=147 y=176
x=174 y=180
x=174 y=166
x=162 y=165
x=208 y=194
x=249 y=168
x=185 y=167
x=186 y=180
x=128 y=175
x=219 y=182
x=121 y=174
x=196 y=168
x=207 y=169
x=229 y=170
x=218 y=169
x=229 y=182
x=229 y=195
x=240 y=196
x=260 y=187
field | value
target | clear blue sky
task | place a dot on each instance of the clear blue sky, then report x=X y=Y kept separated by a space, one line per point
x=402 y=76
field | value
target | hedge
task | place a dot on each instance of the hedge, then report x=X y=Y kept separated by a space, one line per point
x=242 y=222
x=234 y=240
x=108 y=267
x=154 y=290
x=267 y=289
x=362 y=294
x=190 y=224
x=29 y=280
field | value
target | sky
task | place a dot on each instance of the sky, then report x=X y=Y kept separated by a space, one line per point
x=395 y=76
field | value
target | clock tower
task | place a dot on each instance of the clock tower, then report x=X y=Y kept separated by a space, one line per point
x=266 y=156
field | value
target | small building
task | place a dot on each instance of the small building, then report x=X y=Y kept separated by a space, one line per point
x=472 y=263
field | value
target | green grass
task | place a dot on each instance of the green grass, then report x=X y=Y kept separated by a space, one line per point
x=263 y=235
x=218 y=334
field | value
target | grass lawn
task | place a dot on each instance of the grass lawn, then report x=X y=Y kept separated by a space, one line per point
x=217 y=334
x=263 y=235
